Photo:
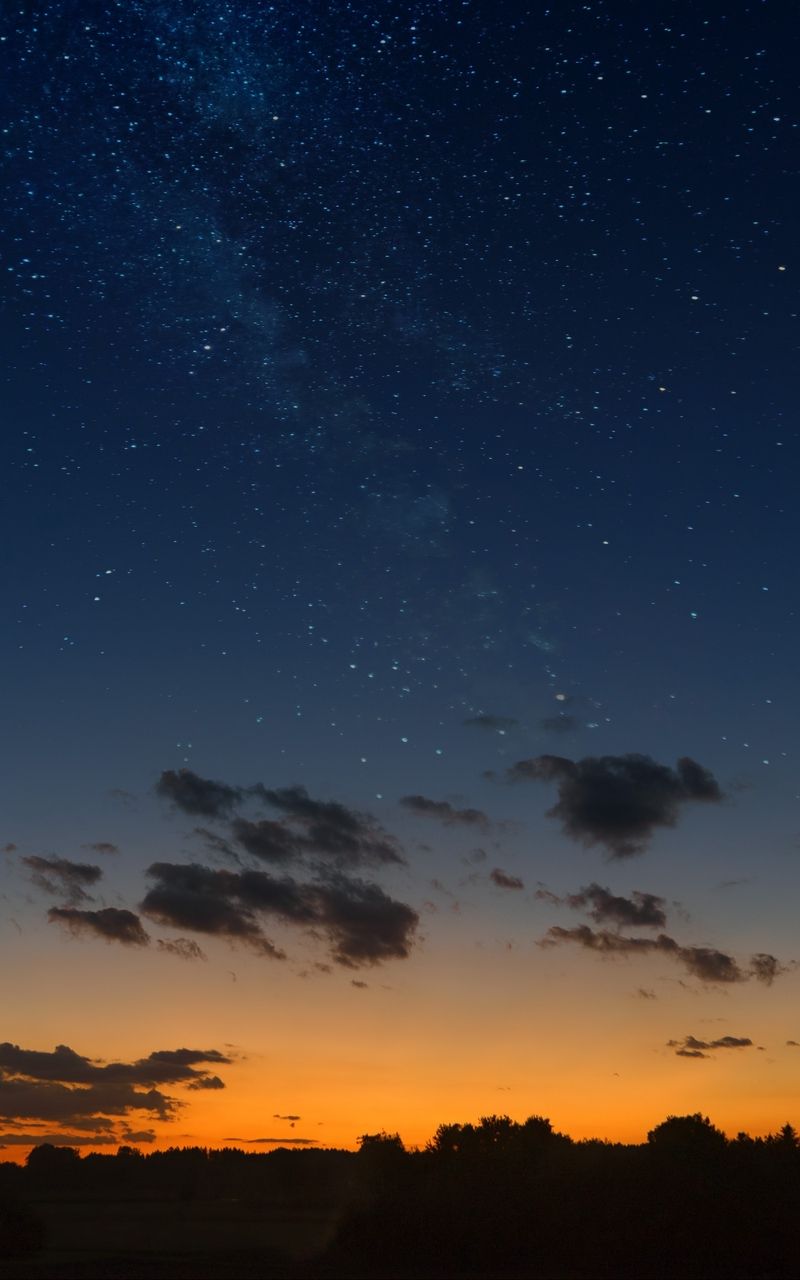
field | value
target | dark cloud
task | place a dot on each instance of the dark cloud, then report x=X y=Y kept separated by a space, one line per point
x=491 y=724
x=705 y=963
x=183 y=948
x=504 y=881
x=207 y=1082
x=62 y=1087
x=344 y=835
x=362 y=923
x=270 y=841
x=443 y=811
x=794 y=1044
x=645 y=994
x=640 y=910
x=62 y=878
x=164 y=1066
x=308 y=828
x=190 y=896
x=111 y=923
x=196 y=795
x=766 y=968
x=101 y=846
x=356 y=982
x=691 y=1047
x=10 y=847
x=618 y=801
x=560 y=724
x=26 y=1100
x=291 y=1119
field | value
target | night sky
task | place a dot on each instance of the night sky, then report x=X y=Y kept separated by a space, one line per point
x=400 y=620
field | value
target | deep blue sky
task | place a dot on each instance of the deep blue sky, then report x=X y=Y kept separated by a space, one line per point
x=373 y=368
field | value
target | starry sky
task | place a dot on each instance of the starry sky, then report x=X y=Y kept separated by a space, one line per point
x=400 y=608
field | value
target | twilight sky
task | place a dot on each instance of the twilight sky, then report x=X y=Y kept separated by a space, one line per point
x=400 y=609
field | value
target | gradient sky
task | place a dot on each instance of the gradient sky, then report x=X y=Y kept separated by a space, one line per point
x=400 y=609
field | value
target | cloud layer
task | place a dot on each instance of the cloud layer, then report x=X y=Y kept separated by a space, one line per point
x=94 y=1100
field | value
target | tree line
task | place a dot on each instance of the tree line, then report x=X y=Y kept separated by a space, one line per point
x=498 y=1197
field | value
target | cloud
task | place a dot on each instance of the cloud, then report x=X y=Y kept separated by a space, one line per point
x=491 y=724
x=794 y=1044
x=504 y=881
x=443 y=811
x=183 y=948
x=363 y=924
x=62 y=878
x=10 y=847
x=164 y=1066
x=560 y=724
x=207 y=1082
x=292 y=1119
x=196 y=795
x=308 y=827
x=641 y=910
x=705 y=963
x=101 y=846
x=766 y=968
x=329 y=828
x=618 y=801
x=52 y=1101
x=190 y=896
x=111 y=923
x=63 y=1087
x=691 y=1047
x=270 y=841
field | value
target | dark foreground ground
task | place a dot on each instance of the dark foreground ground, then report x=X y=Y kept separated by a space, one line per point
x=498 y=1200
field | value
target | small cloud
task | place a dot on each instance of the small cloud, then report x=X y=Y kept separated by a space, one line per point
x=183 y=948
x=618 y=801
x=505 y=881
x=62 y=878
x=346 y=836
x=443 y=811
x=705 y=963
x=766 y=968
x=9 y=848
x=291 y=1119
x=691 y=1047
x=354 y=982
x=101 y=846
x=110 y=923
x=795 y=1044
x=641 y=910
x=645 y=994
x=193 y=794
